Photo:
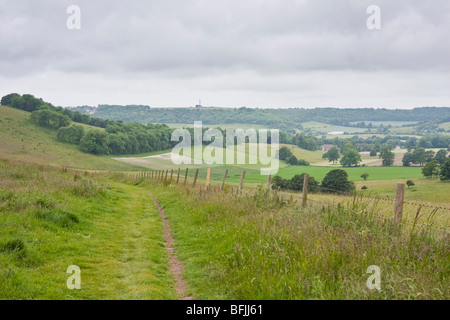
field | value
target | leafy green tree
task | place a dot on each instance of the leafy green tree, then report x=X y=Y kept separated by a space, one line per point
x=377 y=146
x=425 y=143
x=445 y=170
x=295 y=183
x=411 y=144
x=407 y=159
x=117 y=144
x=85 y=118
x=431 y=169
x=365 y=175
x=284 y=152
x=72 y=134
x=373 y=153
x=387 y=155
x=95 y=142
x=7 y=100
x=46 y=117
x=350 y=158
x=429 y=155
x=332 y=155
x=419 y=156
x=292 y=160
x=441 y=156
x=337 y=181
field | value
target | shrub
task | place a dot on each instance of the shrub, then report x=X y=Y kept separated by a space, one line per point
x=337 y=181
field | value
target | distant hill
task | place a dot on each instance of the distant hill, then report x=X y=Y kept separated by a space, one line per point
x=287 y=119
x=22 y=140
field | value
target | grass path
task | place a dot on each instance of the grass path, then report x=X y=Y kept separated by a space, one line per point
x=117 y=243
x=130 y=260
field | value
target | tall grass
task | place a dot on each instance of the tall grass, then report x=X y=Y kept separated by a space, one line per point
x=265 y=246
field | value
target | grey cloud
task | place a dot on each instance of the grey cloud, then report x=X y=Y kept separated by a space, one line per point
x=197 y=39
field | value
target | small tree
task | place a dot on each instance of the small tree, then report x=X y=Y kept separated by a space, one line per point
x=332 y=155
x=350 y=158
x=445 y=170
x=410 y=183
x=431 y=169
x=373 y=153
x=365 y=175
x=441 y=156
x=387 y=155
x=292 y=160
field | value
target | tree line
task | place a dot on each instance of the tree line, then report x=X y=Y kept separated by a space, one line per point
x=289 y=118
x=118 y=137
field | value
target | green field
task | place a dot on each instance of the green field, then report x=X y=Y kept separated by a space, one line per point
x=354 y=173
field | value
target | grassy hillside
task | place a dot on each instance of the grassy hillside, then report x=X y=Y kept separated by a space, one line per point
x=21 y=140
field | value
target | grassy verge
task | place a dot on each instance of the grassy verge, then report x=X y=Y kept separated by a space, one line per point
x=265 y=247
x=50 y=219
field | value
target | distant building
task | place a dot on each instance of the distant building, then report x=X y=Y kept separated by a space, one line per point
x=326 y=147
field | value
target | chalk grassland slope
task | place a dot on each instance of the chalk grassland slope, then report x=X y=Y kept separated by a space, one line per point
x=21 y=140
x=51 y=219
x=261 y=246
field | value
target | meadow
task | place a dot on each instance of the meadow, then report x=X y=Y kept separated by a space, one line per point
x=256 y=245
x=265 y=246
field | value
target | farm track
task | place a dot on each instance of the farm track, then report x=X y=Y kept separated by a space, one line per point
x=176 y=267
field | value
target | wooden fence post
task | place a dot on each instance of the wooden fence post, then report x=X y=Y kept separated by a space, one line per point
x=167 y=173
x=178 y=176
x=223 y=180
x=268 y=182
x=398 y=207
x=305 y=190
x=242 y=181
x=195 y=178
x=208 y=175
x=185 y=177
x=171 y=174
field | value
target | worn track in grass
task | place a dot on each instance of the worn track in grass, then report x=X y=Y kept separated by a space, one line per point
x=176 y=267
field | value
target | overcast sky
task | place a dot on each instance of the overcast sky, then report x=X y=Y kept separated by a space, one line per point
x=228 y=53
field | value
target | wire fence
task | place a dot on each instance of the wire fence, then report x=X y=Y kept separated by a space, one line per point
x=381 y=207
